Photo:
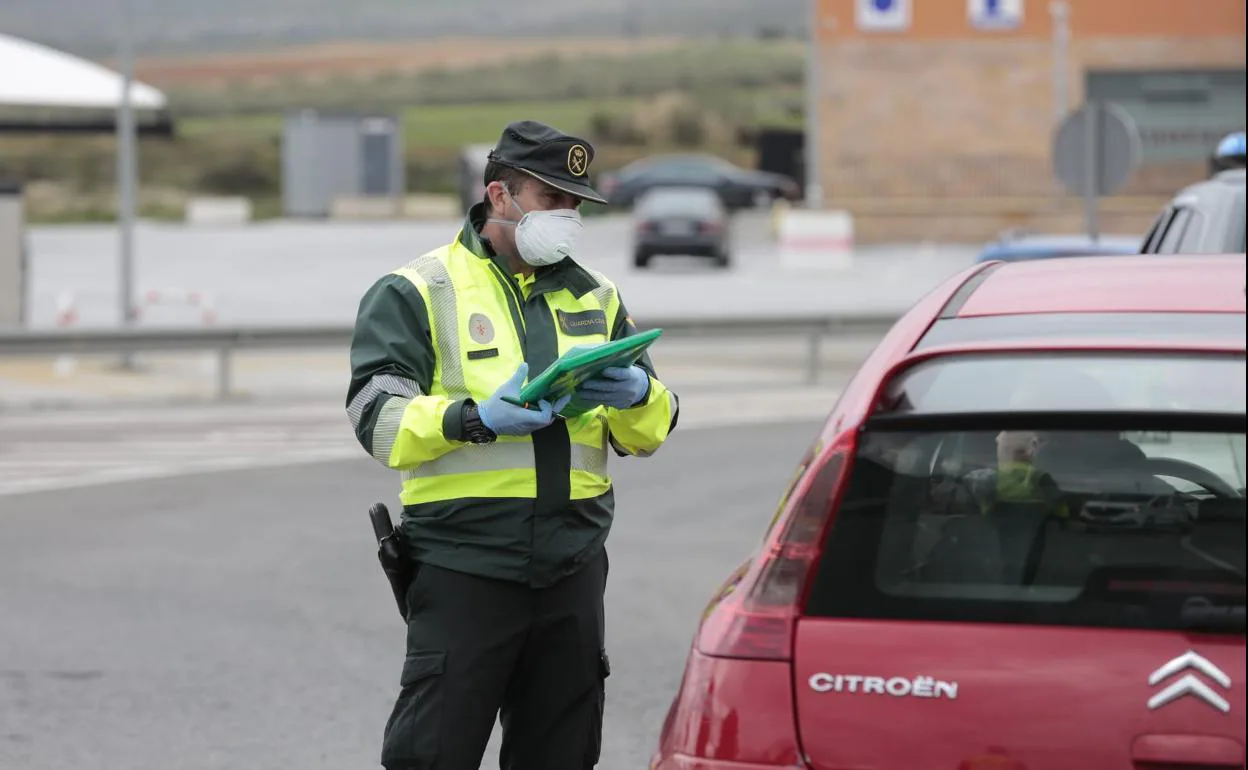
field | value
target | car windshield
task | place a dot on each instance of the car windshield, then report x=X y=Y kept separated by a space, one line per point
x=1042 y=518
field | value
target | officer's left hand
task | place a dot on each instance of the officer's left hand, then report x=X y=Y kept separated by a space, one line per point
x=616 y=386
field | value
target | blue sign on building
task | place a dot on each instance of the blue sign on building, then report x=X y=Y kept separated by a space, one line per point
x=882 y=15
x=995 y=14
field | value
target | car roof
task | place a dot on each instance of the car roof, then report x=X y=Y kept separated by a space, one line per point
x=1098 y=246
x=1233 y=176
x=1040 y=247
x=1126 y=284
x=664 y=159
x=1036 y=240
x=1221 y=183
x=680 y=191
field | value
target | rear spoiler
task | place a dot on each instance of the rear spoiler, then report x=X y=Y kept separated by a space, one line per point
x=1075 y=346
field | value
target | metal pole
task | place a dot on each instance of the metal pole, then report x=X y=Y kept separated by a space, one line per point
x=223 y=373
x=812 y=357
x=632 y=22
x=810 y=141
x=1060 y=10
x=126 y=173
x=1092 y=171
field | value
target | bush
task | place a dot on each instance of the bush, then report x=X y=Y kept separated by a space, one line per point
x=431 y=173
x=687 y=128
x=612 y=128
x=240 y=174
x=695 y=66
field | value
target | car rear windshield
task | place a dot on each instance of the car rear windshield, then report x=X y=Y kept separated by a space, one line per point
x=1080 y=528
x=679 y=201
x=1123 y=520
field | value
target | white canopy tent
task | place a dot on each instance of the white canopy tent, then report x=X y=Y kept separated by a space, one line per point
x=43 y=90
x=41 y=77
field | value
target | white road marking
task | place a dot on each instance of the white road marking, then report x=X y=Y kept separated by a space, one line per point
x=42 y=452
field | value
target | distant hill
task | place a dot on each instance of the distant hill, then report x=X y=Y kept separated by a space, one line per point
x=165 y=27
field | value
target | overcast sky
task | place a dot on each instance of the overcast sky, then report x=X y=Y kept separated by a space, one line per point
x=164 y=26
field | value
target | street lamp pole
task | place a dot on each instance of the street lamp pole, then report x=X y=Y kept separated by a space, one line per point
x=810 y=140
x=1060 y=11
x=126 y=172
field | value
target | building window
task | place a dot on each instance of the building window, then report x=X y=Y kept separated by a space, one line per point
x=1181 y=114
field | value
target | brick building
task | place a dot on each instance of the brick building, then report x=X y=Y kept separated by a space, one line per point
x=937 y=127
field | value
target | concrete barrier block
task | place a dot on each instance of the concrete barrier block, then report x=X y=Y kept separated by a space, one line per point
x=364 y=207
x=218 y=211
x=434 y=207
x=816 y=239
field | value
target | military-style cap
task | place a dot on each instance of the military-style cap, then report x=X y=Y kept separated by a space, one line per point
x=549 y=155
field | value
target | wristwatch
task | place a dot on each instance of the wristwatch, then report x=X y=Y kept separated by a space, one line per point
x=474 y=430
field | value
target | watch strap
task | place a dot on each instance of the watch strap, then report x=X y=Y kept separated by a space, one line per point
x=474 y=429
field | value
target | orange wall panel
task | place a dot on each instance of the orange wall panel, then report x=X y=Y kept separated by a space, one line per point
x=947 y=19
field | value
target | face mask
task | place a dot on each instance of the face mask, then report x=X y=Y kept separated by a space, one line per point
x=545 y=237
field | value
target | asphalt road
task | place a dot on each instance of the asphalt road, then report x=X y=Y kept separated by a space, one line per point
x=238 y=619
x=315 y=272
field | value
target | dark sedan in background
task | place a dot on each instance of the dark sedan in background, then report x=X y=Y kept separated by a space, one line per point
x=738 y=188
x=681 y=221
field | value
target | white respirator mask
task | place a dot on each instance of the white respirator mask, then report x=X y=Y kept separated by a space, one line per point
x=545 y=237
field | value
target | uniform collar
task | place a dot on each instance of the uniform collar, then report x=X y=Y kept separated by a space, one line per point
x=566 y=274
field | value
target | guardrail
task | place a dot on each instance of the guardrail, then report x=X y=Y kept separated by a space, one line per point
x=226 y=341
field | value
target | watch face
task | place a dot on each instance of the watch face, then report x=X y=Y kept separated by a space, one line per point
x=474 y=429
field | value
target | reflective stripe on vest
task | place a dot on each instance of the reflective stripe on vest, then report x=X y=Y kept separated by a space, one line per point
x=604 y=293
x=445 y=312
x=505 y=456
x=386 y=426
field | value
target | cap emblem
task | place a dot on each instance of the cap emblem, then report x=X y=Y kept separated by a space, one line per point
x=578 y=160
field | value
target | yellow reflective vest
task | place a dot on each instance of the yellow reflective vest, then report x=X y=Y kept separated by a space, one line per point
x=453 y=325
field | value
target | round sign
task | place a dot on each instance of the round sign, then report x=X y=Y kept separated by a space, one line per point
x=1096 y=149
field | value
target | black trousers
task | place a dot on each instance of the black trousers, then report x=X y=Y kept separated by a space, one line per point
x=481 y=649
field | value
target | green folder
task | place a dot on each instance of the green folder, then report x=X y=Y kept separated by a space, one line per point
x=571 y=369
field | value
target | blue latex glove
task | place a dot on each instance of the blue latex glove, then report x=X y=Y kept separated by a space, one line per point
x=617 y=386
x=510 y=420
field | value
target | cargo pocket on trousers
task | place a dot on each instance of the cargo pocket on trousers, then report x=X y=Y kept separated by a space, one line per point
x=598 y=711
x=413 y=734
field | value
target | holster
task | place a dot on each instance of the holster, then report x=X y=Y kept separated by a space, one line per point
x=392 y=552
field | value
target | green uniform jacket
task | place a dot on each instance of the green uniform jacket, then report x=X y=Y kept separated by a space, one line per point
x=452 y=326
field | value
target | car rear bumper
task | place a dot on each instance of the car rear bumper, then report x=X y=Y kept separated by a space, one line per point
x=661 y=244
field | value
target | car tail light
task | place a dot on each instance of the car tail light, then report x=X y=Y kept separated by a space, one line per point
x=710 y=227
x=755 y=620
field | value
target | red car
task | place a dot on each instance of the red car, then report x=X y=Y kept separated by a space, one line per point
x=1018 y=542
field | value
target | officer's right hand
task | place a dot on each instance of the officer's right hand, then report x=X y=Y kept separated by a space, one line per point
x=510 y=420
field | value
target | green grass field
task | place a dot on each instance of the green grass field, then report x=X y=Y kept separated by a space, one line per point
x=436 y=126
x=697 y=97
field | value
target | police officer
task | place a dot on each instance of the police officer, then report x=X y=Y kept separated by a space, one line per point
x=506 y=509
